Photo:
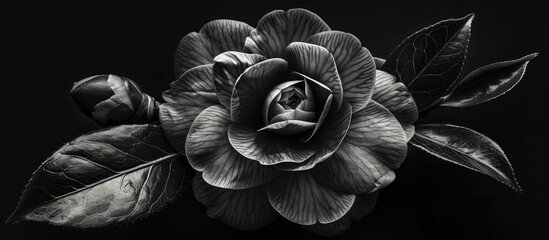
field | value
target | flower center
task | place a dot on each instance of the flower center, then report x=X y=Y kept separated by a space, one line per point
x=289 y=109
x=291 y=97
x=294 y=101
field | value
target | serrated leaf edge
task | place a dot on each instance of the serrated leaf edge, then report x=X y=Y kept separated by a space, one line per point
x=518 y=188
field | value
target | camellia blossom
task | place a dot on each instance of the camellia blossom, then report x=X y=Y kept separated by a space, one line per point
x=287 y=119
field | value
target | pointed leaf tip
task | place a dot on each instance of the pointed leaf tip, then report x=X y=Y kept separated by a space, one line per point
x=429 y=75
x=466 y=148
x=487 y=83
x=115 y=175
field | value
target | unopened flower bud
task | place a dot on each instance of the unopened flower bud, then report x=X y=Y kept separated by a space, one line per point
x=112 y=100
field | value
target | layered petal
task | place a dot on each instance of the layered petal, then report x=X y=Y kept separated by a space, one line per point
x=175 y=120
x=395 y=97
x=215 y=37
x=187 y=97
x=363 y=205
x=317 y=63
x=299 y=198
x=270 y=105
x=209 y=151
x=246 y=210
x=379 y=62
x=289 y=127
x=355 y=65
x=194 y=88
x=278 y=29
x=323 y=99
x=326 y=141
x=293 y=114
x=265 y=147
x=227 y=68
x=252 y=86
x=374 y=145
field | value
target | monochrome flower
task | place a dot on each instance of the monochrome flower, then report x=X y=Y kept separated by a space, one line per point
x=289 y=118
x=112 y=100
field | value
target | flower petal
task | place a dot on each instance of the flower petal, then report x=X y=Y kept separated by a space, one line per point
x=194 y=88
x=245 y=210
x=323 y=100
x=208 y=150
x=252 y=86
x=355 y=65
x=227 y=68
x=363 y=205
x=409 y=129
x=294 y=114
x=289 y=127
x=379 y=62
x=225 y=35
x=299 y=198
x=317 y=63
x=267 y=148
x=395 y=97
x=192 y=51
x=375 y=144
x=330 y=229
x=175 y=120
x=215 y=37
x=327 y=141
x=278 y=29
x=273 y=94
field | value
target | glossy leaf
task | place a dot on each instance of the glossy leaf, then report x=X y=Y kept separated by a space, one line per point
x=488 y=82
x=116 y=175
x=429 y=61
x=466 y=148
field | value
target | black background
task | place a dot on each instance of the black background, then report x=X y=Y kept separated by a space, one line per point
x=47 y=48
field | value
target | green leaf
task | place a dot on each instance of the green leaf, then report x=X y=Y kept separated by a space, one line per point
x=488 y=82
x=102 y=178
x=466 y=148
x=429 y=61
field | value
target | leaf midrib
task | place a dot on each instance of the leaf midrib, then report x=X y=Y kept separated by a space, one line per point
x=117 y=174
x=460 y=151
x=438 y=53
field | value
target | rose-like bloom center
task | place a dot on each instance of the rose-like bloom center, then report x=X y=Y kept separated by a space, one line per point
x=291 y=108
x=292 y=97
